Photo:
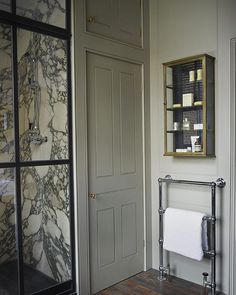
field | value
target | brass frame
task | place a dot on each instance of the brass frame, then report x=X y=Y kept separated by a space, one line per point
x=202 y=58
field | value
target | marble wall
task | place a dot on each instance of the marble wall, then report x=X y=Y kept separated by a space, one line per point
x=6 y=97
x=7 y=194
x=47 y=11
x=44 y=189
x=50 y=56
x=7 y=216
x=46 y=215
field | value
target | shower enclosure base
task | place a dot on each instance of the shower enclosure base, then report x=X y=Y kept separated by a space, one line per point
x=34 y=280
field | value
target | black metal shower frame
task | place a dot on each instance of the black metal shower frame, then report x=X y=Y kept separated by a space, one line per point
x=16 y=21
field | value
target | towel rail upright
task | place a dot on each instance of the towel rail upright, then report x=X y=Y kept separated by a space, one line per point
x=220 y=183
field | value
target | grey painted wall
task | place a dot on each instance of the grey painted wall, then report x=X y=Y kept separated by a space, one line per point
x=179 y=29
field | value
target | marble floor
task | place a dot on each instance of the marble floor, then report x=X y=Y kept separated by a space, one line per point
x=34 y=280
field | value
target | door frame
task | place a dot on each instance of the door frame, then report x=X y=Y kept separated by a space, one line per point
x=232 y=229
x=83 y=43
x=144 y=193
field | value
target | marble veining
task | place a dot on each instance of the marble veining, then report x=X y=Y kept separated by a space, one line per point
x=7 y=200
x=50 y=54
x=45 y=192
x=7 y=216
x=47 y=11
x=6 y=97
x=46 y=226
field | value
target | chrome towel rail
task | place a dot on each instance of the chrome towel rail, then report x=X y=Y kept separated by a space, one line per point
x=220 y=183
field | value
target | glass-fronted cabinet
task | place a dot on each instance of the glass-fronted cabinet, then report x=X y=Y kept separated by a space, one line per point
x=189 y=111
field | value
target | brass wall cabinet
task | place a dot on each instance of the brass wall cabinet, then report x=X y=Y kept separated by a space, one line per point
x=189 y=110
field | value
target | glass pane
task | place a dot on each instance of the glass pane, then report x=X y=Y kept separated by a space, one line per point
x=8 y=252
x=169 y=76
x=6 y=96
x=46 y=226
x=169 y=98
x=42 y=68
x=52 y=12
x=186 y=83
x=5 y=5
x=184 y=130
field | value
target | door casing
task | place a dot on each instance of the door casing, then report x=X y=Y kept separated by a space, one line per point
x=232 y=262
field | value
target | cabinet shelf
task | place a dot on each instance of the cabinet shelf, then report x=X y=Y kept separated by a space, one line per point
x=190 y=80
x=184 y=108
x=179 y=131
x=186 y=154
x=192 y=83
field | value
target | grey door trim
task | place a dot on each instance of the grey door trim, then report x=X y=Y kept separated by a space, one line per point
x=232 y=229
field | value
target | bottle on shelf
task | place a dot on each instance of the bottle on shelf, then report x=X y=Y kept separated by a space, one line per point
x=186 y=124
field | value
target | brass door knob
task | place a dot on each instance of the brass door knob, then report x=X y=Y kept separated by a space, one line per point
x=91 y=19
x=92 y=196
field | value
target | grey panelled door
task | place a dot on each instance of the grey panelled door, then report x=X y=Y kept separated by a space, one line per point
x=115 y=169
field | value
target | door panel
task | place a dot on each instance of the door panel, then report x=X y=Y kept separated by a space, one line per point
x=129 y=229
x=129 y=21
x=99 y=17
x=106 y=236
x=117 y=19
x=115 y=169
x=104 y=122
x=127 y=123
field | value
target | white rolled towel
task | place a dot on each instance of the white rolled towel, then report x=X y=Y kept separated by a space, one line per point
x=183 y=232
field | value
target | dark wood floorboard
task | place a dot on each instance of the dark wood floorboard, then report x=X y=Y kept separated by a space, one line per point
x=146 y=283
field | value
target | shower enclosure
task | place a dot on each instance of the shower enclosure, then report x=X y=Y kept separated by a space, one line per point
x=36 y=173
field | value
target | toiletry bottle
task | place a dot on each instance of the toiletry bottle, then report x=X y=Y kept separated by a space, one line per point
x=191 y=76
x=186 y=124
x=198 y=146
x=176 y=126
x=199 y=74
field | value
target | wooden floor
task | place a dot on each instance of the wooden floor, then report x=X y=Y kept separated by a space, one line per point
x=147 y=283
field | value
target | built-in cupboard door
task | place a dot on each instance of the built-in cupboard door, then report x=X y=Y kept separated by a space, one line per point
x=100 y=17
x=115 y=170
x=117 y=19
x=129 y=27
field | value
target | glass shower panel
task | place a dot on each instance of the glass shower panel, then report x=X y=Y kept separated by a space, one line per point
x=5 y=5
x=52 y=12
x=6 y=96
x=46 y=226
x=43 y=117
x=8 y=247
